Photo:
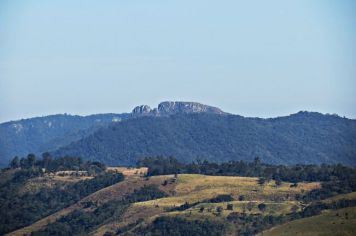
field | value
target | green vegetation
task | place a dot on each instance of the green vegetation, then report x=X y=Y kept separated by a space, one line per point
x=18 y=210
x=177 y=226
x=40 y=134
x=214 y=202
x=49 y=164
x=310 y=138
x=80 y=222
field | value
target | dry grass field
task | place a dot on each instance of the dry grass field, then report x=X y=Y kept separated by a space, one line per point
x=184 y=188
x=193 y=188
x=329 y=223
x=128 y=171
x=348 y=196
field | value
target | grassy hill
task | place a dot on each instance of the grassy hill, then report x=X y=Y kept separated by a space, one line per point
x=334 y=222
x=77 y=201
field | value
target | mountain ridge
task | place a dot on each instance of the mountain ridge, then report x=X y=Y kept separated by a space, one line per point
x=55 y=132
x=305 y=138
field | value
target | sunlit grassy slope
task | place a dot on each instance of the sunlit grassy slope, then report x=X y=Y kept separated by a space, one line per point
x=337 y=222
x=193 y=188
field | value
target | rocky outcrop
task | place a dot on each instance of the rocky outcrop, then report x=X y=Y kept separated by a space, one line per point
x=170 y=108
x=141 y=110
x=186 y=107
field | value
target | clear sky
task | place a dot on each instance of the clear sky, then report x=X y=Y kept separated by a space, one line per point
x=253 y=58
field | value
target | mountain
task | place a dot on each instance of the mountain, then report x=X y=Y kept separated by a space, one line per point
x=48 y=133
x=40 y=134
x=194 y=132
x=186 y=130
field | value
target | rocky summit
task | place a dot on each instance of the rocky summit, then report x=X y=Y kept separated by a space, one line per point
x=169 y=108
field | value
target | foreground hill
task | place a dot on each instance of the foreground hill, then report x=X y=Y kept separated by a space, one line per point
x=73 y=197
x=37 y=135
x=300 y=138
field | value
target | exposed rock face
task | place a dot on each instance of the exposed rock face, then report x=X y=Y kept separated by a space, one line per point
x=186 y=107
x=169 y=108
x=142 y=110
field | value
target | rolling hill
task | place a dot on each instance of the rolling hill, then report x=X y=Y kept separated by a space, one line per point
x=75 y=200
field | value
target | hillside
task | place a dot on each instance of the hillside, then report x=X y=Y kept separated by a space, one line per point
x=48 y=133
x=304 y=137
x=335 y=222
x=37 y=135
x=68 y=198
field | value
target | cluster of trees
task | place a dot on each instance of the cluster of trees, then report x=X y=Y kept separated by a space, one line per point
x=178 y=226
x=336 y=178
x=50 y=164
x=81 y=222
x=18 y=210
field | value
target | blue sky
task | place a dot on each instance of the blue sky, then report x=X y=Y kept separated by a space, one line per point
x=253 y=58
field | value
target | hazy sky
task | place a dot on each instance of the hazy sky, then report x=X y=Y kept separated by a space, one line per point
x=253 y=58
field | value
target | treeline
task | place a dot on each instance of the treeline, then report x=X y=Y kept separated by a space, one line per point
x=335 y=179
x=81 y=222
x=294 y=173
x=50 y=164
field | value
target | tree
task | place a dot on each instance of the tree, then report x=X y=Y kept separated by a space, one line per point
x=262 y=207
x=230 y=207
x=46 y=159
x=15 y=163
x=31 y=160
x=219 y=210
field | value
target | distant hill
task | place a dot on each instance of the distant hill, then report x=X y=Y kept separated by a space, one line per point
x=40 y=134
x=305 y=137
x=48 y=133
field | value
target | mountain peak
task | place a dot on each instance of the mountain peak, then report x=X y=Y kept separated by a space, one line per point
x=175 y=107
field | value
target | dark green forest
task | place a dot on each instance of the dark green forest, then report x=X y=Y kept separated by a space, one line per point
x=302 y=138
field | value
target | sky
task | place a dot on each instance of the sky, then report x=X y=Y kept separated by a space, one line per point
x=252 y=58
